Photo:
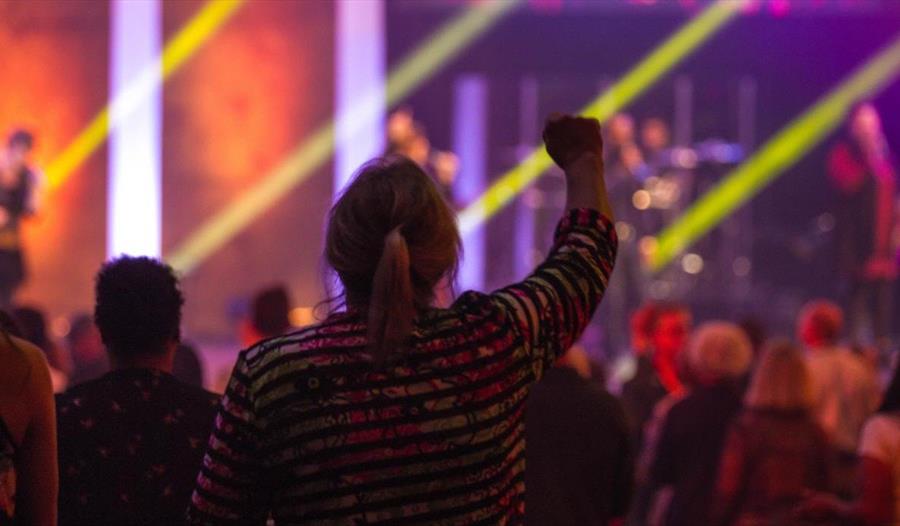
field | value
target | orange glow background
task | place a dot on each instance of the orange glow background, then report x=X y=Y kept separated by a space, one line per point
x=246 y=100
x=53 y=70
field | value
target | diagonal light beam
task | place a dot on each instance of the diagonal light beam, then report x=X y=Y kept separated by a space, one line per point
x=179 y=49
x=647 y=72
x=414 y=70
x=777 y=155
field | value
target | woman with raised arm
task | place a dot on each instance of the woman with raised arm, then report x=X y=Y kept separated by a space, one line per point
x=28 y=472
x=392 y=411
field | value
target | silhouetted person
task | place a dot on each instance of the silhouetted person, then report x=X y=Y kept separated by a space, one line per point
x=845 y=389
x=20 y=187
x=393 y=410
x=775 y=451
x=693 y=433
x=270 y=315
x=657 y=370
x=878 y=497
x=33 y=324
x=131 y=442
x=187 y=366
x=580 y=465
x=89 y=360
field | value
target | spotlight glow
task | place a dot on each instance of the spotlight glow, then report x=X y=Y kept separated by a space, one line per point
x=181 y=47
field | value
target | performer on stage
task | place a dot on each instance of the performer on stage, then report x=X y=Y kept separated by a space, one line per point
x=861 y=170
x=19 y=196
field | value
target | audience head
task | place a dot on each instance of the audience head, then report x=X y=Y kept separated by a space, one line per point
x=781 y=380
x=9 y=325
x=718 y=351
x=865 y=124
x=391 y=238
x=755 y=330
x=576 y=358
x=84 y=339
x=670 y=327
x=271 y=312
x=621 y=130
x=641 y=325
x=819 y=324
x=33 y=324
x=655 y=134
x=890 y=403
x=138 y=309
x=18 y=145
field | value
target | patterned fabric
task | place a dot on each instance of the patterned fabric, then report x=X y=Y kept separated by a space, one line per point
x=130 y=447
x=7 y=476
x=311 y=433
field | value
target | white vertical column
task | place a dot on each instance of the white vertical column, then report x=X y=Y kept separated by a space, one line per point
x=134 y=207
x=359 y=79
x=470 y=143
x=530 y=201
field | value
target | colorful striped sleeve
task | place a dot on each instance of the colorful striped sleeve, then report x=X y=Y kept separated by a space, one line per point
x=551 y=308
x=230 y=488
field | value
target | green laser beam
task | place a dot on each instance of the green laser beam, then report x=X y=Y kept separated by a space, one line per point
x=448 y=42
x=776 y=156
x=636 y=81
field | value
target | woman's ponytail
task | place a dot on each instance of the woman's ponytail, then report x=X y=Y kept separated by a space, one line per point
x=392 y=304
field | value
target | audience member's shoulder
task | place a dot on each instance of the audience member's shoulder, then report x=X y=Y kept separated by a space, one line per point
x=24 y=352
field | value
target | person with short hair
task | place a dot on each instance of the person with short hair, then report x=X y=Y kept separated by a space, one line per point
x=667 y=327
x=686 y=459
x=131 y=442
x=845 y=389
x=393 y=410
x=775 y=450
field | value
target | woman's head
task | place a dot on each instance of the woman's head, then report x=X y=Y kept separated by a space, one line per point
x=391 y=238
x=718 y=351
x=782 y=380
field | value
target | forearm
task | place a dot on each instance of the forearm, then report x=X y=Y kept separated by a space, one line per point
x=586 y=187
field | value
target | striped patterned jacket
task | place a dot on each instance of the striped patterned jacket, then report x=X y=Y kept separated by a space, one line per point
x=310 y=432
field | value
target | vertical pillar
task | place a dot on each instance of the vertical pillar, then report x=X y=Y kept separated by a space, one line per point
x=134 y=200
x=470 y=144
x=359 y=86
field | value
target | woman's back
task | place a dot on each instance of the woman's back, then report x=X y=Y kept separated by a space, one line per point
x=436 y=437
x=770 y=459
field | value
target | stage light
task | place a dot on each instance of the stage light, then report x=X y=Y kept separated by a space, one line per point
x=776 y=156
x=184 y=44
x=313 y=152
x=649 y=70
x=134 y=175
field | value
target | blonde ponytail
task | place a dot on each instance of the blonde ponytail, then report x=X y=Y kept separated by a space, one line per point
x=392 y=304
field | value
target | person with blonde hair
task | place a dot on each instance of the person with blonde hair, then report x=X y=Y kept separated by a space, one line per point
x=775 y=450
x=685 y=462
